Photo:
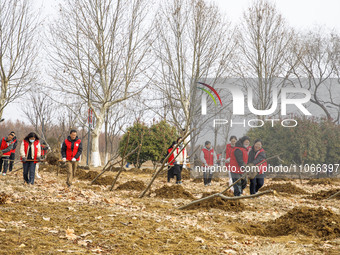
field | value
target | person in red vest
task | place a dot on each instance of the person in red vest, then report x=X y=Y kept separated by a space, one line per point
x=70 y=152
x=227 y=153
x=6 y=147
x=238 y=160
x=229 y=147
x=12 y=156
x=256 y=156
x=208 y=158
x=30 y=153
x=171 y=162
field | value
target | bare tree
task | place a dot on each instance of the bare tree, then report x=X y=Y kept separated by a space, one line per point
x=18 y=28
x=318 y=56
x=265 y=48
x=193 y=43
x=40 y=111
x=100 y=52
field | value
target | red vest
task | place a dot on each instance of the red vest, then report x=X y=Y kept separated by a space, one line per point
x=171 y=157
x=209 y=156
x=234 y=166
x=4 y=145
x=36 y=147
x=69 y=153
x=43 y=152
x=263 y=166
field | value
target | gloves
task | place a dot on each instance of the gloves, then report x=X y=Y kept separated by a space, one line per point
x=64 y=159
x=24 y=159
x=39 y=159
x=74 y=159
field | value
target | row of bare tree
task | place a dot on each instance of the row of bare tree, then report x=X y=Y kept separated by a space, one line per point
x=126 y=60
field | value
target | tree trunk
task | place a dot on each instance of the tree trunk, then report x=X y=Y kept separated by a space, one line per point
x=95 y=153
x=4 y=86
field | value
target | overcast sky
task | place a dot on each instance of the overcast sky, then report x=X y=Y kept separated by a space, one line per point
x=301 y=14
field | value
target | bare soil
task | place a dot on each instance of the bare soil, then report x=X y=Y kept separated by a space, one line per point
x=50 y=218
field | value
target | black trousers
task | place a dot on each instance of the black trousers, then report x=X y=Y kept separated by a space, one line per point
x=256 y=184
x=29 y=171
x=178 y=172
x=4 y=161
x=11 y=163
x=170 y=173
x=207 y=175
x=240 y=186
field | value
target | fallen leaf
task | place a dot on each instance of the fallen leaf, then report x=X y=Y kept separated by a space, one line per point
x=85 y=234
x=70 y=234
x=199 y=239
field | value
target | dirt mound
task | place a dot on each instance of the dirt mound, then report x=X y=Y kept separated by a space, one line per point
x=288 y=188
x=52 y=159
x=115 y=169
x=280 y=179
x=322 y=223
x=198 y=180
x=90 y=175
x=4 y=197
x=86 y=175
x=142 y=171
x=175 y=191
x=218 y=203
x=132 y=185
x=83 y=167
x=323 y=194
x=322 y=181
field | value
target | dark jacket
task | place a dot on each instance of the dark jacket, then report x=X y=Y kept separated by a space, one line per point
x=15 y=143
x=10 y=146
x=239 y=154
x=260 y=157
x=63 y=147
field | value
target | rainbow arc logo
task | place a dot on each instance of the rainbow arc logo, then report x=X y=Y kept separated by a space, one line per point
x=209 y=93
